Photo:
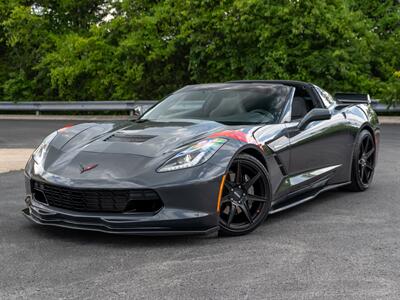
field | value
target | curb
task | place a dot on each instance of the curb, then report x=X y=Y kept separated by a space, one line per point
x=389 y=120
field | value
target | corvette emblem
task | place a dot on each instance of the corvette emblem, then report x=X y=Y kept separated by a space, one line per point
x=87 y=168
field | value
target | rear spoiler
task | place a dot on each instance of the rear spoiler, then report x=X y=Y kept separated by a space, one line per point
x=349 y=98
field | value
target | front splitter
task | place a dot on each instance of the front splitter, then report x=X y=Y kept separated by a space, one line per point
x=91 y=226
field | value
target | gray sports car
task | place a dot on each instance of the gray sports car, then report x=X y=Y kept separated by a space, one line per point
x=209 y=157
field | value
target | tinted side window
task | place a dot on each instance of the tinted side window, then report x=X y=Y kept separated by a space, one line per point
x=325 y=96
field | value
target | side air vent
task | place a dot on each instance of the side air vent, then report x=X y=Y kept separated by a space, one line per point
x=280 y=164
x=123 y=137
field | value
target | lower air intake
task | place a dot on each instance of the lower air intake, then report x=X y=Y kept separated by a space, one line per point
x=98 y=200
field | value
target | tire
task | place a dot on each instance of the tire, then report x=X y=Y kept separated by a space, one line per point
x=363 y=162
x=246 y=198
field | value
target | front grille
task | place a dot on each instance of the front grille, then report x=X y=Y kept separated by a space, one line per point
x=97 y=200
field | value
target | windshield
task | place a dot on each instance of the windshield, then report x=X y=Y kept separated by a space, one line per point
x=238 y=104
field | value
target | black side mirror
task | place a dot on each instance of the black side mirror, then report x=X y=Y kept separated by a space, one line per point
x=138 y=111
x=316 y=114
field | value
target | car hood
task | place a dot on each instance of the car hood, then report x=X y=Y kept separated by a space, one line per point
x=130 y=148
x=148 y=138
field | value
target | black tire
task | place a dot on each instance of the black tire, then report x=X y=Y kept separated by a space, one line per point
x=363 y=163
x=246 y=198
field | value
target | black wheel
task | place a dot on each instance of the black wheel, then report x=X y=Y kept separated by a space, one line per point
x=246 y=197
x=363 y=164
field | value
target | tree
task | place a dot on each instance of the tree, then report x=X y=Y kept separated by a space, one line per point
x=145 y=49
x=28 y=32
x=384 y=20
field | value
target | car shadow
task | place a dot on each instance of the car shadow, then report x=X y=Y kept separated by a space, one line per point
x=102 y=238
x=321 y=200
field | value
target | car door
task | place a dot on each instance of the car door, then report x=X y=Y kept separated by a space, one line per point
x=320 y=152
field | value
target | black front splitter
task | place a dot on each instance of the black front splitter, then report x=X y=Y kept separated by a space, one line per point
x=92 y=226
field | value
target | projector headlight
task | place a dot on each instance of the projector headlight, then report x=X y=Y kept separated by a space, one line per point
x=194 y=155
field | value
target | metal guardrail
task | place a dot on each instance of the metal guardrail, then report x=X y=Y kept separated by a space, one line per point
x=47 y=106
x=384 y=108
x=129 y=106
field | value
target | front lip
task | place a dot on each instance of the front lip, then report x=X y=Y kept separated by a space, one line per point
x=121 y=224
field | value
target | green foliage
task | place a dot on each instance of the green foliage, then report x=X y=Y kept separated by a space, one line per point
x=100 y=50
x=27 y=42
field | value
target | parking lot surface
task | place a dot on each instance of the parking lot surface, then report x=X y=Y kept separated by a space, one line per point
x=341 y=245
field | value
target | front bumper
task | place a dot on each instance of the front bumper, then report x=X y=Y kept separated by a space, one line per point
x=188 y=210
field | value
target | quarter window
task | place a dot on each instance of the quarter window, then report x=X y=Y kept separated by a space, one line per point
x=327 y=99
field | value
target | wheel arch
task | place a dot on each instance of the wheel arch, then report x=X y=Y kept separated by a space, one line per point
x=368 y=127
x=254 y=157
x=365 y=126
x=251 y=150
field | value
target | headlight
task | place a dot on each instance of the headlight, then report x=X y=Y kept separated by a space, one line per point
x=41 y=151
x=194 y=155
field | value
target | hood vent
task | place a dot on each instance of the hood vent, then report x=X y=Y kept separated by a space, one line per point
x=128 y=138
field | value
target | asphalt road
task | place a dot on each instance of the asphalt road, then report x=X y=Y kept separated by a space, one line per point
x=340 y=246
x=28 y=134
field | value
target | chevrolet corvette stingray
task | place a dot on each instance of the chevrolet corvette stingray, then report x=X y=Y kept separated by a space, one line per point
x=209 y=157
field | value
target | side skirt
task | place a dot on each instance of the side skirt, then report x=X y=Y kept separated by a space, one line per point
x=291 y=202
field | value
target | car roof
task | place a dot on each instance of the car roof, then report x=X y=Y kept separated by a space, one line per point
x=228 y=85
x=294 y=83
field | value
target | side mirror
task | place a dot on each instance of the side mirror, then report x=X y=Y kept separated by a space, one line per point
x=316 y=114
x=137 y=111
